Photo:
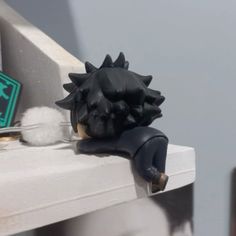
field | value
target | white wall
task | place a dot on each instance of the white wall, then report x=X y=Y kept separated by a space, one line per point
x=189 y=47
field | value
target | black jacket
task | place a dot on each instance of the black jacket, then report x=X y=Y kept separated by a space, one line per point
x=127 y=143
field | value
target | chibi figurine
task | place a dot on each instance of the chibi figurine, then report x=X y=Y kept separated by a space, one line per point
x=111 y=108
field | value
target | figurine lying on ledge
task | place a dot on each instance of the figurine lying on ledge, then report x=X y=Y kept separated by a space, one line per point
x=111 y=108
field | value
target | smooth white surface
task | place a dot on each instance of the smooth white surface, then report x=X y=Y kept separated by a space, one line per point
x=124 y=219
x=143 y=217
x=43 y=185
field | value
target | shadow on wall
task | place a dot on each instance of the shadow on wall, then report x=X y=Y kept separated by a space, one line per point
x=178 y=206
x=48 y=15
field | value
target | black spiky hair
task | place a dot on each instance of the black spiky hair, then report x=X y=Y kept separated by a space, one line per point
x=110 y=99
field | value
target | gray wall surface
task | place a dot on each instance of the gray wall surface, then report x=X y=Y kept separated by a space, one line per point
x=189 y=47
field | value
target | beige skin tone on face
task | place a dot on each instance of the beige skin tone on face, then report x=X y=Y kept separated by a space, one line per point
x=81 y=131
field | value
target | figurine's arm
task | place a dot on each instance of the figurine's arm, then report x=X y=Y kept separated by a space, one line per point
x=96 y=146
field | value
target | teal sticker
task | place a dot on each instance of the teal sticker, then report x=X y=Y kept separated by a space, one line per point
x=9 y=94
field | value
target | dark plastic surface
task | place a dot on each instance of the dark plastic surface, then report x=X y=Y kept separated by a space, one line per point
x=146 y=146
x=115 y=106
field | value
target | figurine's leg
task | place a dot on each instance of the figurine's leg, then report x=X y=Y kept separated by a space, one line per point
x=144 y=161
x=159 y=160
x=150 y=162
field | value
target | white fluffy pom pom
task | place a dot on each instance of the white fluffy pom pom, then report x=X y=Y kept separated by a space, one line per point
x=48 y=131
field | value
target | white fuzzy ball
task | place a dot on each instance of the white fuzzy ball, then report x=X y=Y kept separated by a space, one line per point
x=49 y=130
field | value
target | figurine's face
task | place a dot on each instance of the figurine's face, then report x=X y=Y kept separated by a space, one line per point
x=81 y=131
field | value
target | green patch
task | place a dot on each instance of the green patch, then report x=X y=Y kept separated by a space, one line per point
x=9 y=94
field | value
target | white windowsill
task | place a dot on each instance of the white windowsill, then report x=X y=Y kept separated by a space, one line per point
x=43 y=185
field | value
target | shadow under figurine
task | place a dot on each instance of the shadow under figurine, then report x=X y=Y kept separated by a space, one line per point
x=111 y=108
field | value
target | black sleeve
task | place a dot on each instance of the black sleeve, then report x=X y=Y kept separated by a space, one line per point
x=126 y=144
x=96 y=146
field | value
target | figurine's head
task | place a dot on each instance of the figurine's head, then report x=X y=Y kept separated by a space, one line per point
x=110 y=99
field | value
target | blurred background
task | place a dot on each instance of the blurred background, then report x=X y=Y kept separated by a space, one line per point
x=189 y=48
